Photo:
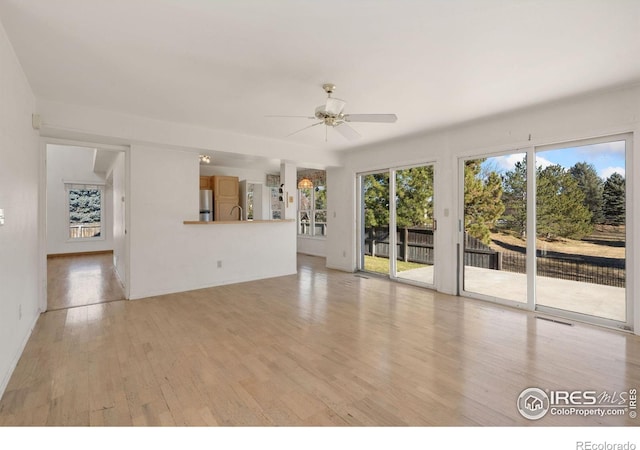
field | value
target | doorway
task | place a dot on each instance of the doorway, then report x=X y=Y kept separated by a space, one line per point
x=84 y=241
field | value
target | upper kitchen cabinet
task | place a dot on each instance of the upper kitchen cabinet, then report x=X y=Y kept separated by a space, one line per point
x=205 y=183
x=224 y=186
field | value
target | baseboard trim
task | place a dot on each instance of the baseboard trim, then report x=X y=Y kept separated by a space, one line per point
x=98 y=252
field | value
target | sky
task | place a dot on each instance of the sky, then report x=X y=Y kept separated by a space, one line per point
x=607 y=158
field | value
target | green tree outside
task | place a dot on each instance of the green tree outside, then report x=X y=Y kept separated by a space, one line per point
x=414 y=194
x=376 y=199
x=414 y=197
x=614 y=198
x=514 y=198
x=84 y=205
x=592 y=186
x=482 y=200
x=560 y=203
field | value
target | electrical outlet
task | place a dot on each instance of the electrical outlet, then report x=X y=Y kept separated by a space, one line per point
x=344 y=253
x=19 y=312
x=219 y=264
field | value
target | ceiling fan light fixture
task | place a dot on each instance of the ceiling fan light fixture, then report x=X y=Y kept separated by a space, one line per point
x=305 y=183
x=334 y=106
x=331 y=115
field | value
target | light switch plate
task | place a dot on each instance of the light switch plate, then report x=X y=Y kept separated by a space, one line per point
x=1 y=216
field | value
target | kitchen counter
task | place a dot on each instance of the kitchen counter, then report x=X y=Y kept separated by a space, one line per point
x=227 y=222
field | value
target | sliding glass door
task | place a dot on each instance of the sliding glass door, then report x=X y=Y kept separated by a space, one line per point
x=414 y=225
x=374 y=229
x=398 y=237
x=546 y=229
x=581 y=229
x=495 y=227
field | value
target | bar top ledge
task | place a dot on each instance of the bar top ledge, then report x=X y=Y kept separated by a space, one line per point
x=227 y=222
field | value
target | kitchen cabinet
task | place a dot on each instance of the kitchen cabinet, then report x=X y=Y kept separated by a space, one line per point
x=225 y=197
x=205 y=183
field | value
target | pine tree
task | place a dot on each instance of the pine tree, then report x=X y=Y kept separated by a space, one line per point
x=614 y=200
x=414 y=193
x=84 y=205
x=560 y=205
x=482 y=200
x=376 y=199
x=592 y=187
x=414 y=197
x=515 y=198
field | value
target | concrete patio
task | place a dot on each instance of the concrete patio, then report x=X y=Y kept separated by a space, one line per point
x=586 y=298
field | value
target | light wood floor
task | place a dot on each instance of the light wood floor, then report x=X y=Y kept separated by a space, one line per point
x=318 y=348
x=81 y=280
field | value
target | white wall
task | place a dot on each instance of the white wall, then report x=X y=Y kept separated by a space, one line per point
x=256 y=175
x=19 y=237
x=68 y=163
x=340 y=245
x=309 y=245
x=78 y=122
x=167 y=256
x=118 y=183
x=594 y=115
x=289 y=178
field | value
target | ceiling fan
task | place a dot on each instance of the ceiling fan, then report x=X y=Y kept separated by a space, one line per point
x=330 y=114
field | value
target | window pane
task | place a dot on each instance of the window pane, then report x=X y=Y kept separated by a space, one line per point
x=304 y=213
x=304 y=199
x=304 y=223
x=375 y=223
x=321 y=197
x=85 y=208
x=320 y=223
x=580 y=221
x=415 y=224
x=495 y=219
x=312 y=205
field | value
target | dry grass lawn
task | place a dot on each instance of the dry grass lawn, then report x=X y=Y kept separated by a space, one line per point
x=606 y=241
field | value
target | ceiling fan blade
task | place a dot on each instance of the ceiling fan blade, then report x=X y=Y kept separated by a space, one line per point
x=346 y=131
x=334 y=106
x=299 y=117
x=381 y=118
x=302 y=129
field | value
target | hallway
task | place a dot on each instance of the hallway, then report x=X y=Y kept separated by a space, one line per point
x=81 y=280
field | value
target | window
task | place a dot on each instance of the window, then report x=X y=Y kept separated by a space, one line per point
x=312 y=211
x=86 y=211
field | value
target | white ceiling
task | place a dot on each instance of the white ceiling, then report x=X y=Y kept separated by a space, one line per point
x=227 y=64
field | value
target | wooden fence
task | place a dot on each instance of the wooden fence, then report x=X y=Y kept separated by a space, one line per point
x=478 y=254
x=415 y=244
x=84 y=230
